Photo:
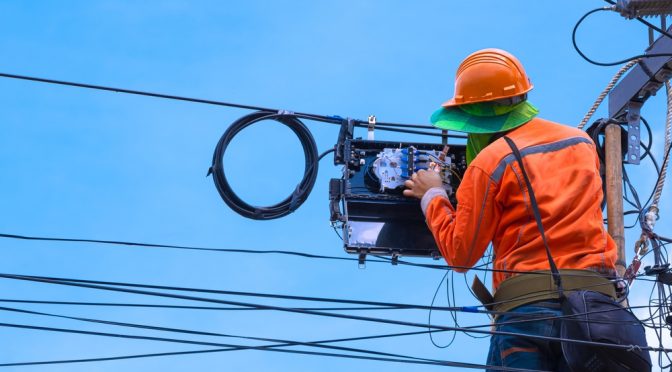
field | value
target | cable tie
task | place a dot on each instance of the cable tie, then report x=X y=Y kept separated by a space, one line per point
x=634 y=347
x=293 y=204
x=470 y=309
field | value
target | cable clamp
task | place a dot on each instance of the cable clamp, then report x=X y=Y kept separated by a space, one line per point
x=635 y=347
x=294 y=201
x=651 y=217
x=371 y=127
x=285 y=112
x=361 y=261
x=395 y=258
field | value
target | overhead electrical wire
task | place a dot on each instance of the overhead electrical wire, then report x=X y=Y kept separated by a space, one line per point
x=620 y=62
x=255 y=294
x=300 y=352
x=261 y=295
x=186 y=307
x=309 y=312
x=293 y=199
x=221 y=250
x=333 y=119
x=192 y=352
x=288 y=118
x=230 y=347
x=284 y=343
x=279 y=342
x=380 y=259
x=643 y=21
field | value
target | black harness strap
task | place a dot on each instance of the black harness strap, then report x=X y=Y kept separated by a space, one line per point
x=537 y=215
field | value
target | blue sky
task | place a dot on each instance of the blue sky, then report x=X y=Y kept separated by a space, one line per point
x=80 y=163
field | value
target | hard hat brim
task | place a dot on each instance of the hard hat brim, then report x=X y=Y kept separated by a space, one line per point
x=457 y=119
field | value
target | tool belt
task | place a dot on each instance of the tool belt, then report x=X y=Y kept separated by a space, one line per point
x=539 y=286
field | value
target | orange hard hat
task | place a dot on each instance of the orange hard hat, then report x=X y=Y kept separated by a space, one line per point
x=489 y=75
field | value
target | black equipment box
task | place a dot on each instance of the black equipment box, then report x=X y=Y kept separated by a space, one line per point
x=368 y=204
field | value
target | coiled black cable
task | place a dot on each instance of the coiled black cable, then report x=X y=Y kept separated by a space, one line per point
x=293 y=201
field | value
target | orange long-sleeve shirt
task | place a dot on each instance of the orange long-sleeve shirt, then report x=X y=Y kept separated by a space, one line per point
x=492 y=207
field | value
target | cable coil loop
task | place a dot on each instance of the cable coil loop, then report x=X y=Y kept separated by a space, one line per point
x=300 y=193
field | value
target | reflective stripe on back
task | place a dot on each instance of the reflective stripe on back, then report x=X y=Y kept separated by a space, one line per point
x=538 y=149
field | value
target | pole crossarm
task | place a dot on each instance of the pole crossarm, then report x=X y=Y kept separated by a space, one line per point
x=642 y=82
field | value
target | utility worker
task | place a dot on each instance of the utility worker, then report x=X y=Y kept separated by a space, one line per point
x=490 y=101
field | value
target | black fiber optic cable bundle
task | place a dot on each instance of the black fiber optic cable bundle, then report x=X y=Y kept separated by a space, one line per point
x=302 y=190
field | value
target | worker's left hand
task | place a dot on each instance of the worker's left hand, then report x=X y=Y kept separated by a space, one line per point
x=420 y=182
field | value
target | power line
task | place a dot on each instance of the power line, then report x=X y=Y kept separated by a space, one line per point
x=186 y=307
x=319 y=313
x=250 y=294
x=282 y=343
x=175 y=353
x=583 y=55
x=207 y=249
x=379 y=259
x=473 y=309
x=390 y=127
x=232 y=347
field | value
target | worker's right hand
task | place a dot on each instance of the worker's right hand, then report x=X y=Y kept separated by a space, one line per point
x=420 y=182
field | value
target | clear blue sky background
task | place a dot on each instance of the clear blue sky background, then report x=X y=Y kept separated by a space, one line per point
x=79 y=163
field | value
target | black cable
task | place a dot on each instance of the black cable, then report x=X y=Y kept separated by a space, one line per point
x=472 y=309
x=186 y=307
x=281 y=342
x=360 y=338
x=383 y=126
x=272 y=295
x=175 y=353
x=654 y=27
x=170 y=246
x=641 y=20
x=653 y=192
x=231 y=347
x=647 y=147
x=289 y=204
x=316 y=313
x=464 y=276
x=253 y=294
x=222 y=250
x=380 y=259
x=134 y=92
x=667 y=240
x=429 y=315
x=578 y=50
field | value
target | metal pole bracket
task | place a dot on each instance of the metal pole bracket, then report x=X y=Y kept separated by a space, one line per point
x=633 y=118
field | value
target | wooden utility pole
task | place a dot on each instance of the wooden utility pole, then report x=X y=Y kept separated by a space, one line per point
x=614 y=179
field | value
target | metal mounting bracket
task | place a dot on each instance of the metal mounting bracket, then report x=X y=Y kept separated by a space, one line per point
x=633 y=119
x=361 y=260
x=347 y=131
x=371 y=127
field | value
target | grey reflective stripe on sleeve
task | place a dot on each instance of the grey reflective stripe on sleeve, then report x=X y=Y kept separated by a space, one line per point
x=431 y=194
x=538 y=149
x=480 y=219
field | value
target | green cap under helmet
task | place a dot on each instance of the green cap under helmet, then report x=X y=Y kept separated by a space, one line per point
x=484 y=117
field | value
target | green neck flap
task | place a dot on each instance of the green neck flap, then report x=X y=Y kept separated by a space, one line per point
x=476 y=142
